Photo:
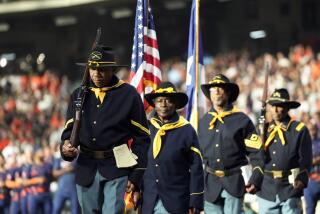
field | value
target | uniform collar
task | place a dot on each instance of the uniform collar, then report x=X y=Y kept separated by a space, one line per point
x=285 y=124
x=229 y=107
x=173 y=119
x=100 y=93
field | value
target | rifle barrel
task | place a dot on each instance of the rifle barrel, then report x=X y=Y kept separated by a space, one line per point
x=74 y=138
x=262 y=119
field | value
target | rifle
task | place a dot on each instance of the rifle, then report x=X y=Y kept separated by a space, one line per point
x=74 y=139
x=262 y=118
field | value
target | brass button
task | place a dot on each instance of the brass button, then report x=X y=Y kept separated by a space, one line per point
x=157 y=180
x=274 y=152
x=156 y=165
x=98 y=106
x=274 y=165
x=94 y=139
x=217 y=130
x=218 y=160
x=94 y=122
x=217 y=145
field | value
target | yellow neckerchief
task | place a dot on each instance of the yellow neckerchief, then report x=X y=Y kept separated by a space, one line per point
x=220 y=116
x=101 y=92
x=162 y=131
x=277 y=129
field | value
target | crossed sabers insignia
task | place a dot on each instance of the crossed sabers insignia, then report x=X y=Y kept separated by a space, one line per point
x=96 y=55
x=276 y=94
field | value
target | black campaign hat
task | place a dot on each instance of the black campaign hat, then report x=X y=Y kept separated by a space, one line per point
x=101 y=56
x=167 y=89
x=281 y=97
x=220 y=80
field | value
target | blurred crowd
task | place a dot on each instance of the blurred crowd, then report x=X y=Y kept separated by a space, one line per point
x=299 y=72
x=31 y=121
x=33 y=106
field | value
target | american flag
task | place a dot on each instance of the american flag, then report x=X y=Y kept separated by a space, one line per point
x=145 y=72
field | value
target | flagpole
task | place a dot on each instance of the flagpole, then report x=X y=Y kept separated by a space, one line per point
x=197 y=63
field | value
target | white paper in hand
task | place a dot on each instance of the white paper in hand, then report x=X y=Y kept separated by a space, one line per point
x=246 y=173
x=294 y=173
x=124 y=158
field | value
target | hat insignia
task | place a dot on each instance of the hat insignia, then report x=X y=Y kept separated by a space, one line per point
x=96 y=55
x=276 y=94
x=165 y=90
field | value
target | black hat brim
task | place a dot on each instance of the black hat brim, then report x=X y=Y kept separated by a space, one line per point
x=231 y=87
x=181 y=99
x=290 y=104
x=102 y=65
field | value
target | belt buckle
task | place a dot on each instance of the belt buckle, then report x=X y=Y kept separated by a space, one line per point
x=277 y=173
x=219 y=173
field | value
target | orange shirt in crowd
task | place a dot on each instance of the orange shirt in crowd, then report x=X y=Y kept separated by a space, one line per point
x=3 y=143
x=315 y=70
x=56 y=121
x=10 y=105
x=24 y=82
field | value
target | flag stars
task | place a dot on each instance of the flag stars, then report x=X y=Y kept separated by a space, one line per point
x=140 y=36
x=133 y=66
x=140 y=8
x=140 y=54
x=140 y=26
x=140 y=17
x=140 y=45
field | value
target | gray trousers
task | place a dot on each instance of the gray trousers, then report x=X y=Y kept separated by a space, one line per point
x=159 y=208
x=231 y=205
x=290 y=206
x=103 y=196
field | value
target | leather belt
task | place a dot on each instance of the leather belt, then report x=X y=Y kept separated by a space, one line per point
x=277 y=173
x=105 y=154
x=222 y=173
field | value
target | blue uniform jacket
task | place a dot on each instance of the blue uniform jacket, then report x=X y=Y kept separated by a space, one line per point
x=106 y=125
x=176 y=175
x=42 y=170
x=4 y=191
x=296 y=153
x=226 y=147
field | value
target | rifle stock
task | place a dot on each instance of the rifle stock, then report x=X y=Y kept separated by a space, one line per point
x=262 y=119
x=74 y=138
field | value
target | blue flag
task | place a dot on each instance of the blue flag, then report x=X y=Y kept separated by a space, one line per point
x=195 y=68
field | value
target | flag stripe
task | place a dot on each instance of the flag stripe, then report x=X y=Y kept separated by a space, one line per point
x=137 y=76
x=151 y=42
x=151 y=51
x=150 y=76
x=151 y=73
x=149 y=59
x=151 y=33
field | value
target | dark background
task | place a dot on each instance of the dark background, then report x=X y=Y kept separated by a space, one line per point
x=225 y=26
